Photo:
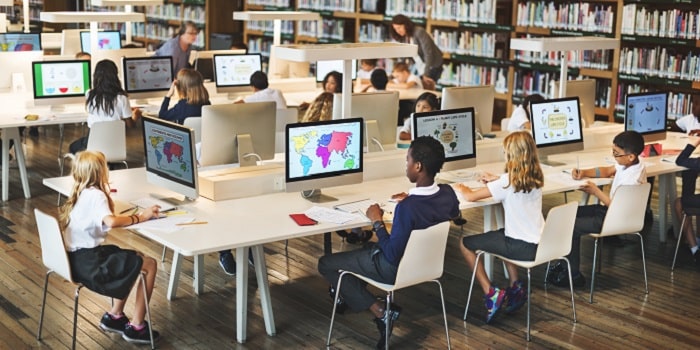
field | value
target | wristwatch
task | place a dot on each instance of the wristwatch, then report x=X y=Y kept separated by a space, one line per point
x=377 y=225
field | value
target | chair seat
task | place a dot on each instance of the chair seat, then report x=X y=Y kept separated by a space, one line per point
x=383 y=286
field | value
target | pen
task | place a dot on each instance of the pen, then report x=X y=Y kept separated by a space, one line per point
x=127 y=210
x=577 y=164
x=192 y=223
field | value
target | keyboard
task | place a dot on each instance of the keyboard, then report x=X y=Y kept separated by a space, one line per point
x=356 y=206
x=147 y=202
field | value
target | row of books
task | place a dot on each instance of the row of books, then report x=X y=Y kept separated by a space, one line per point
x=410 y=8
x=327 y=5
x=527 y=82
x=195 y=14
x=466 y=42
x=594 y=59
x=165 y=11
x=326 y=29
x=660 y=62
x=669 y=23
x=274 y=3
x=475 y=11
x=373 y=33
x=267 y=26
x=464 y=74
x=679 y=103
x=581 y=16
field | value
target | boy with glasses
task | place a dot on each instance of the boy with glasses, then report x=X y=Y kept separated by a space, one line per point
x=628 y=171
x=180 y=46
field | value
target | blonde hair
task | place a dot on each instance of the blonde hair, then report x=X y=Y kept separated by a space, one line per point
x=400 y=67
x=522 y=162
x=190 y=87
x=320 y=109
x=89 y=170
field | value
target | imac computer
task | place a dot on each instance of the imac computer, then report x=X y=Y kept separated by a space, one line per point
x=479 y=97
x=147 y=77
x=585 y=91
x=203 y=61
x=238 y=133
x=16 y=71
x=323 y=154
x=170 y=156
x=379 y=111
x=646 y=113
x=60 y=82
x=325 y=67
x=454 y=128
x=116 y=57
x=10 y=42
x=106 y=40
x=232 y=72
x=556 y=127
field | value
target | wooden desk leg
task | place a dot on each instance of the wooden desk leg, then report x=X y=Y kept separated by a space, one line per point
x=174 y=275
x=198 y=282
x=264 y=288
x=241 y=293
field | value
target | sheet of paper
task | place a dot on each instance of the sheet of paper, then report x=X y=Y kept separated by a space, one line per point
x=167 y=224
x=322 y=214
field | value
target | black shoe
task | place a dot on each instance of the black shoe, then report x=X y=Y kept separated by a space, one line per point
x=359 y=236
x=555 y=269
x=115 y=325
x=391 y=317
x=341 y=306
x=696 y=257
x=142 y=336
x=562 y=280
x=228 y=263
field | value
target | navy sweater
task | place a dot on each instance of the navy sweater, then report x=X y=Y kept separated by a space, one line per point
x=181 y=110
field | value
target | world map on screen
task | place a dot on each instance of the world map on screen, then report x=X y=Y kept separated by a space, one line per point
x=319 y=151
x=169 y=155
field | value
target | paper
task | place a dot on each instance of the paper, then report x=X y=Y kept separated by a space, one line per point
x=322 y=214
x=167 y=224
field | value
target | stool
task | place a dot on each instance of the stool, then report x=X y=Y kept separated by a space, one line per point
x=686 y=212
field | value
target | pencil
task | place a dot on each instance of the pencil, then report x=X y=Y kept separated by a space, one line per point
x=192 y=223
x=128 y=210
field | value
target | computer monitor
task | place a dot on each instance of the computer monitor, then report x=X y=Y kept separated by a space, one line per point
x=278 y=68
x=480 y=97
x=19 y=64
x=238 y=133
x=170 y=156
x=232 y=72
x=20 y=42
x=556 y=127
x=116 y=57
x=147 y=77
x=203 y=61
x=70 y=41
x=60 y=82
x=454 y=128
x=647 y=114
x=585 y=91
x=379 y=111
x=325 y=67
x=106 y=40
x=323 y=154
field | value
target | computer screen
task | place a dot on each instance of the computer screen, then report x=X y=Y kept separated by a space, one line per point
x=379 y=111
x=479 y=97
x=238 y=130
x=325 y=67
x=147 y=77
x=323 y=154
x=170 y=156
x=232 y=72
x=203 y=61
x=20 y=42
x=454 y=128
x=646 y=113
x=556 y=126
x=106 y=40
x=60 y=82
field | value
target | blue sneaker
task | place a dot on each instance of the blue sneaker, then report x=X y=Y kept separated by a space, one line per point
x=493 y=302
x=228 y=263
x=516 y=297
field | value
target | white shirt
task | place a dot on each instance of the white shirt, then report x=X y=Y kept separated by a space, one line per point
x=518 y=119
x=414 y=78
x=364 y=74
x=688 y=123
x=267 y=95
x=631 y=175
x=122 y=110
x=407 y=125
x=523 y=211
x=86 y=229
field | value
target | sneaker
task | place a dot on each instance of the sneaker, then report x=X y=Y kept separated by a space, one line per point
x=562 y=279
x=493 y=302
x=111 y=324
x=389 y=316
x=141 y=336
x=516 y=297
x=358 y=236
x=555 y=269
x=228 y=263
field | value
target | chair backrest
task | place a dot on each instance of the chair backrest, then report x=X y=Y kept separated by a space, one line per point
x=504 y=124
x=195 y=123
x=424 y=257
x=109 y=138
x=626 y=211
x=283 y=117
x=557 y=233
x=53 y=251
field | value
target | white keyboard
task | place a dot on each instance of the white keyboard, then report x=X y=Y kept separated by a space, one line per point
x=356 y=206
x=147 y=202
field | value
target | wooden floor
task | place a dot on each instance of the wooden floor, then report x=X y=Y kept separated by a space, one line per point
x=623 y=317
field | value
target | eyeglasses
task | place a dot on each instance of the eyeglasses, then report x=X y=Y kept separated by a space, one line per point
x=619 y=155
x=192 y=33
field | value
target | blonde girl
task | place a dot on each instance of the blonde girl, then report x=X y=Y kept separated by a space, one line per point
x=320 y=109
x=189 y=86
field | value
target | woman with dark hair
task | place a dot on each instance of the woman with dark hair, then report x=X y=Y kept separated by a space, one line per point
x=106 y=101
x=520 y=118
x=333 y=82
x=429 y=56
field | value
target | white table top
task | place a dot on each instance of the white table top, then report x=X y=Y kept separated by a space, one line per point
x=126 y=2
x=85 y=16
x=345 y=51
x=563 y=43
x=273 y=15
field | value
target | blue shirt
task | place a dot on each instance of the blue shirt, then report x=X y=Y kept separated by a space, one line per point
x=181 y=110
x=172 y=48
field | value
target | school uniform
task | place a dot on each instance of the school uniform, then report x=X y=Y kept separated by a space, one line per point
x=267 y=95
x=518 y=119
x=688 y=122
x=122 y=110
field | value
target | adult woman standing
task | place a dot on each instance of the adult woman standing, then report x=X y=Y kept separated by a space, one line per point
x=429 y=55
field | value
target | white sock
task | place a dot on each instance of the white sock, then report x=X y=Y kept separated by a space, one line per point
x=693 y=249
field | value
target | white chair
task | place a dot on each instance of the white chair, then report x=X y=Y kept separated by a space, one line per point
x=55 y=258
x=195 y=123
x=555 y=243
x=109 y=138
x=504 y=124
x=625 y=216
x=422 y=261
x=686 y=212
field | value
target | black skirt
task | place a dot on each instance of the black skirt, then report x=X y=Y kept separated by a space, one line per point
x=106 y=269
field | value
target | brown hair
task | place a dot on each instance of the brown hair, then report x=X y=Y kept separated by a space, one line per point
x=320 y=109
x=404 y=21
x=522 y=162
x=401 y=67
x=190 y=87
x=89 y=170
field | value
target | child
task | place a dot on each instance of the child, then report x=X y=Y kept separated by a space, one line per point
x=628 y=171
x=403 y=79
x=193 y=95
x=332 y=83
x=85 y=218
x=520 y=118
x=426 y=102
x=689 y=199
x=378 y=81
x=520 y=192
x=367 y=66
x=106 y=101
x=83 y=56
x=262 y=92
x=690 y=124
x=320 y=109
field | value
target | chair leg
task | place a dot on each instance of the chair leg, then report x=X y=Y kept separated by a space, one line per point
x=595 y=256
x=162 y=256
x=43 y=304
x=529 y=294
x=571 y=287
x=678 y=242
x=389 y=321
x=335 y=304
x=444 y=314
x=148 y=309
x=75 y=313
x=471 y=286
x=644 y=263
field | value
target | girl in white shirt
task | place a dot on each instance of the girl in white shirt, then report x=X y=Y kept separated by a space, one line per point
x=85 y=219
x=520 y=118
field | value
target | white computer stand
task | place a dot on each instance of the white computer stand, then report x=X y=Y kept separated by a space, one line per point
x=128 y=8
